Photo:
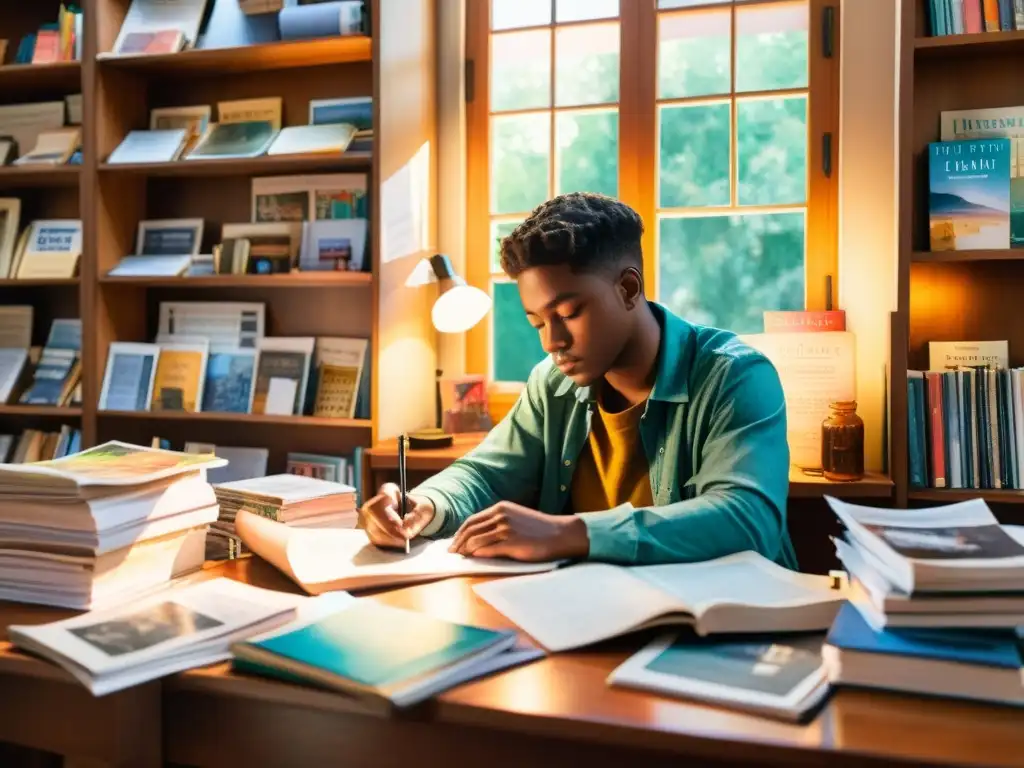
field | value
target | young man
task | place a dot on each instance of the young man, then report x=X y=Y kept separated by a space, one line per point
x=640 y=439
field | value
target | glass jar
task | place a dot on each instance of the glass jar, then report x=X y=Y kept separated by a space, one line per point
x=842 y=443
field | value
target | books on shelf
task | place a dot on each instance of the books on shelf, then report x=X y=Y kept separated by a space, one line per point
x=59 y=370
x=325 y=560
x=312 y=139
x=232 y=141
x=779 y=676
x=53 y=147
x=129 y=376
x=24 y=122
x=958 y=17
x=148 y=17
x=587 y=603
x=969 y=194
x=162 y=146
x=282 y=374
x=35 y=445
x=353 y=650
x=52 y=42
x=188 y=626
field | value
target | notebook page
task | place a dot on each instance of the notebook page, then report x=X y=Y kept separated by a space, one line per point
x=325 y=559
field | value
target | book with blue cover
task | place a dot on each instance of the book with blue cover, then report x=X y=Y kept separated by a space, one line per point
x=975 y=664
x=969 y=194
x=380 y=653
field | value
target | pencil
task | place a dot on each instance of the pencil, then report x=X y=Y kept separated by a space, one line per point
x=402 y=482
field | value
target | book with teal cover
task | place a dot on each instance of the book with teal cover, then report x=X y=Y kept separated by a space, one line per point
x=373 y=649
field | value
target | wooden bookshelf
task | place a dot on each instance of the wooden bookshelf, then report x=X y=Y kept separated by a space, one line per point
x=873 y=485
x=394 y=64
x=948 y=295
x=950 y=495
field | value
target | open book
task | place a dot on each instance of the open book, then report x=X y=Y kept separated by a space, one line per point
x=327 y=559
x=591 y=602
x=955 y=548
x=112 y=464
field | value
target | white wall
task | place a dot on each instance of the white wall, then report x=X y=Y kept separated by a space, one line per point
x=868 y=200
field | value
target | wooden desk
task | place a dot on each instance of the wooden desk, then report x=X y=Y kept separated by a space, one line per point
x=43 y=707
x=557 y=711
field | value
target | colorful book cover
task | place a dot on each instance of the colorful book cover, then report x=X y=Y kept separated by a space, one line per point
x=996 y=123
x=464 y=405
x=229 y=381
x=969 y=194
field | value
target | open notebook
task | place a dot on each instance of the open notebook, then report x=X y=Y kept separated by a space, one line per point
x=591 y=602
x=327 y=559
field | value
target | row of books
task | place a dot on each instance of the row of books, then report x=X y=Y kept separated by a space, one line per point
x=44 y=133
x=37 y=445
x=46 y=249
x=33 y=376
x=60 y=40
x=958 y=17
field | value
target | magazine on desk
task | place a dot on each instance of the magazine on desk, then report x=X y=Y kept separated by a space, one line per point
x=323 y=560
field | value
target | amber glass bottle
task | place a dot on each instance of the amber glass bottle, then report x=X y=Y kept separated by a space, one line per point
x=842 y=443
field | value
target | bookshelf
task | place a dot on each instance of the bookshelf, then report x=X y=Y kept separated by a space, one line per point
x=956 y=295
x=395 y=64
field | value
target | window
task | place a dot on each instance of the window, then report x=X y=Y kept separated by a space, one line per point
x=710 y=117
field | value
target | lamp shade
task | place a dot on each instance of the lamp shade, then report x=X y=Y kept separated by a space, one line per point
x=458 y=306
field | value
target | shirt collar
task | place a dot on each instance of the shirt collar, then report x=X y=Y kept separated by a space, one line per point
x=675 y=358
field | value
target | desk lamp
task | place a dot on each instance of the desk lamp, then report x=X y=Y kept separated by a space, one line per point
x=458 y=308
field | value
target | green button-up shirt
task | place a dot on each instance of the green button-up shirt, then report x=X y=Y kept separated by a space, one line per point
x=713 y=429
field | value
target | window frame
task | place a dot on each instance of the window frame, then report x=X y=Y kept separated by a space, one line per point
x=638 y=150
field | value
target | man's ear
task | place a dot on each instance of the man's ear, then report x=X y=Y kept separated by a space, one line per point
x=631 y=284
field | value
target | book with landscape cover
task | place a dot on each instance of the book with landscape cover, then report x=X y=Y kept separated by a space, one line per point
x=969 y=195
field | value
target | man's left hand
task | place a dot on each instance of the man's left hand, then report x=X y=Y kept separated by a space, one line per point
x=517 y=532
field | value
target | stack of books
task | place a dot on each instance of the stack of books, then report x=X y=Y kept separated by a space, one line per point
x=103 y=526
x=295 y=500
x=937 y=596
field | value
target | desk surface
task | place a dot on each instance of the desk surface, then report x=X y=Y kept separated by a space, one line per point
x=564 y=697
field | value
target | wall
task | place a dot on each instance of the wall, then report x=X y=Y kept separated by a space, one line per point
x=868 y=200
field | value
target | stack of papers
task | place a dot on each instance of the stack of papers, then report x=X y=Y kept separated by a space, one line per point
x=330 y=559
x=178 y=629
x=102 y=526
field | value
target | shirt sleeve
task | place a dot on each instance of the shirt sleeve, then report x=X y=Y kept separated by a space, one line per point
x=506 y=466
x=741 y=487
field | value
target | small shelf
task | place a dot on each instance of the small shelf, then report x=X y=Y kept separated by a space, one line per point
x=290 y=280
x=944 y=46
x=964 y=494
x=42 y=282
x=956 y=257
x=34 y=176
x=248 y=58
x=872 y=486
x=60 y=74
x=246 y=166
x=49 y=411
x=241 y=418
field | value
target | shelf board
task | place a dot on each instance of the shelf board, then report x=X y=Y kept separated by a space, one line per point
x=246 y=166
x=964 y=494
x=46 y=176
x=52 y=411
x=953 y=257
x=11 y=282
x=291 y=280
x=945 y=46
x=872 y=486
x=249 y=58
x=241 y=418
x=60 y=74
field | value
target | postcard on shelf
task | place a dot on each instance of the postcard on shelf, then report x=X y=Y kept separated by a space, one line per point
x=193 y=120
x=334 y=246
x=169 y=237
x=356 y=111
x=308 y=198
x=815 y=370
x=53 y=148
x=969 y=194
x=313 y=139
x=128 y=379
x=232 y=323
x=954 y=355
x=180 y=375
x=230 y=371
x=1001 y=122
x=53 y=249
x=146 y=16
x=282 y=360
x=251 y=111
x=273 y=246
x=232 y=141
x=149 y=147
x=148 y=43
x=336 y=391
x=10 y=222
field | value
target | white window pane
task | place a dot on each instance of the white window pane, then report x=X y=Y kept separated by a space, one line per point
x=510 y=14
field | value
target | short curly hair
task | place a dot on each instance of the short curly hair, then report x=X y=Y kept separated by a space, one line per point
x=589 y=232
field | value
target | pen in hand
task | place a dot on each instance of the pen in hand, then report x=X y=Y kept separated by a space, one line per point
x=402 y=487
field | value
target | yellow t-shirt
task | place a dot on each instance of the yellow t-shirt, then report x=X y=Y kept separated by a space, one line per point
x=612 y=468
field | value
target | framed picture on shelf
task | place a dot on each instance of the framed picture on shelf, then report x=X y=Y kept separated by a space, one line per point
x=169 y=237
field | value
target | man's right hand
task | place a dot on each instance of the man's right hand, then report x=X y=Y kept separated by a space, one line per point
x=385 y=527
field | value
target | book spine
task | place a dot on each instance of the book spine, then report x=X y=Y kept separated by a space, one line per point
x=954 y=454
x=1009 y=430
x=993 y=429
x=991 y=9
x=973 y=20
x=1006 y=15
x=915 y=435
x=971 y=376
x=1018 y=13
x=937 y=433
x=959 y=23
